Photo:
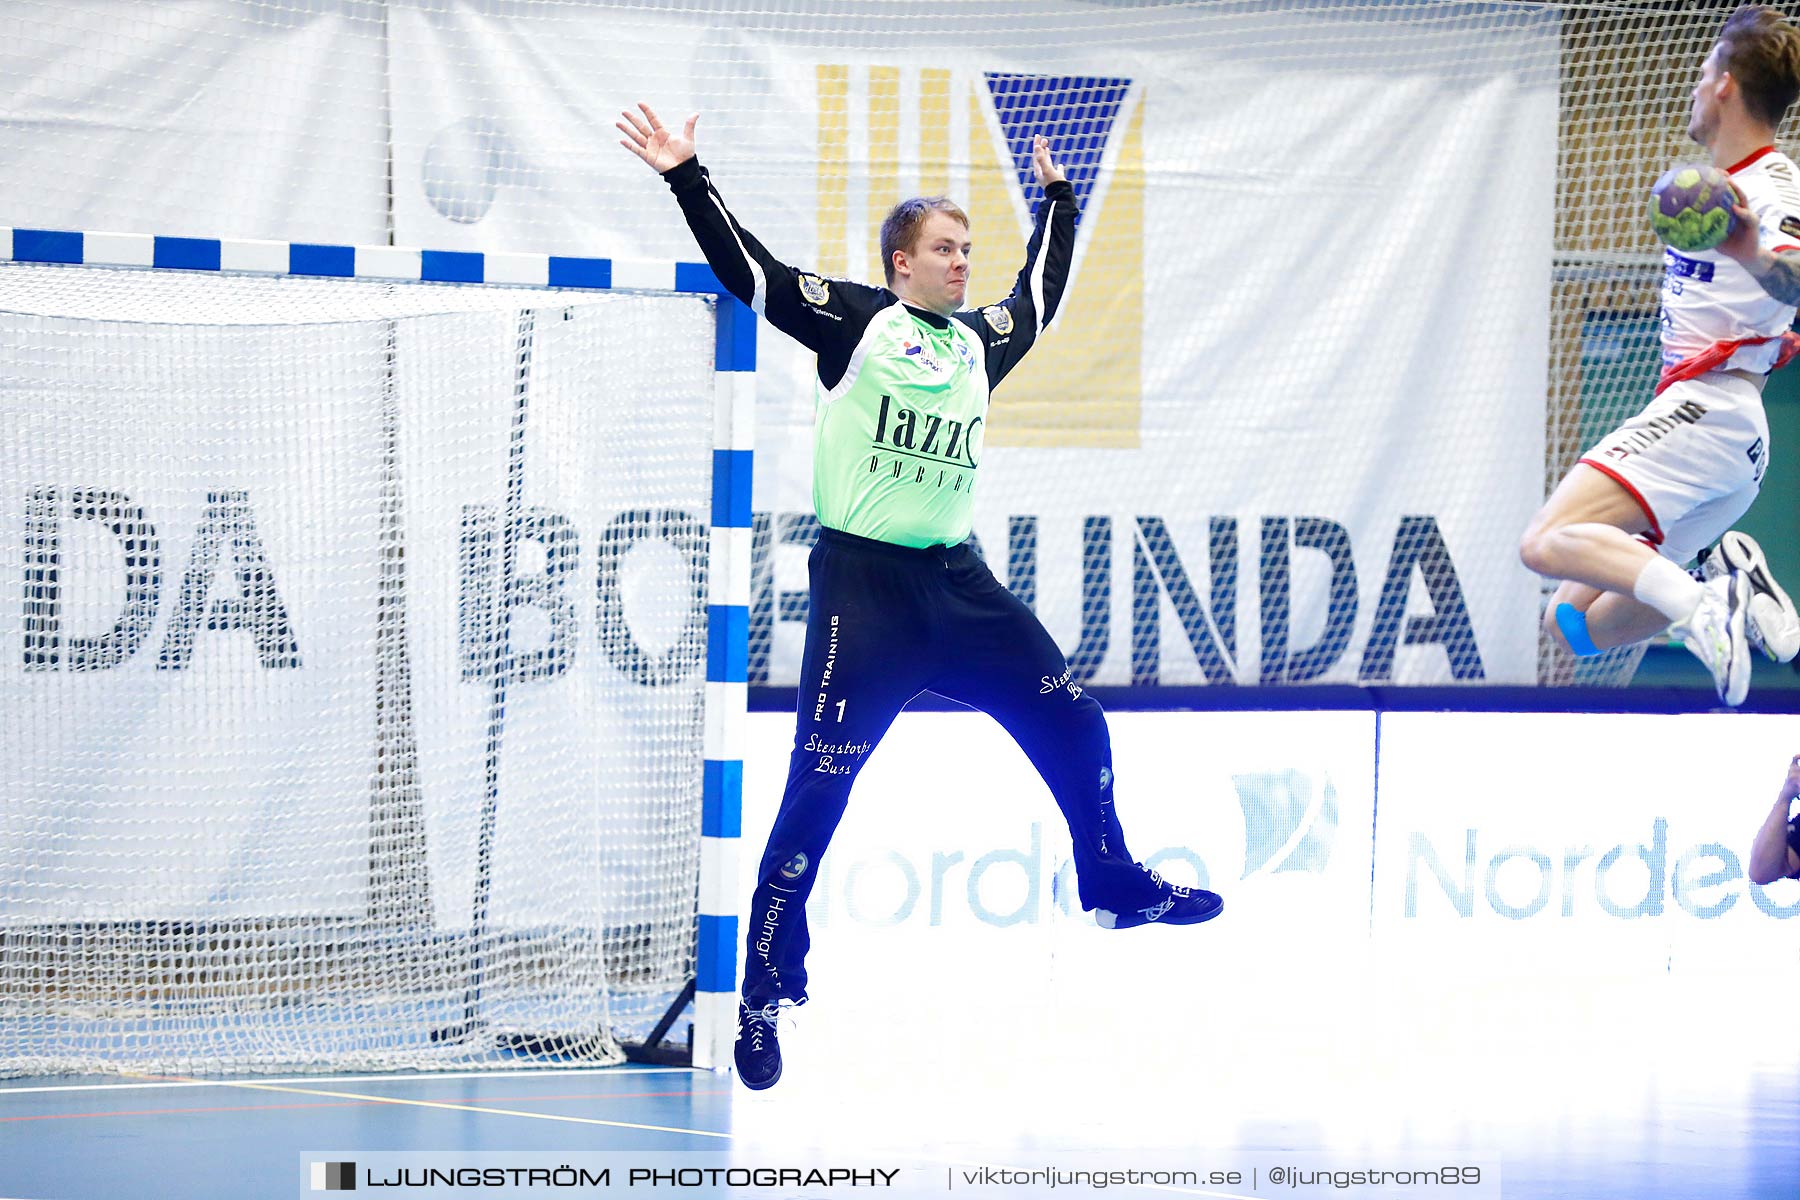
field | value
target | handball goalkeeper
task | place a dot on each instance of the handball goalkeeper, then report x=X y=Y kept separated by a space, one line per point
x=900 y=603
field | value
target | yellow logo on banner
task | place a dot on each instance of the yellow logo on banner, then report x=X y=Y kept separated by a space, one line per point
x=937 y=132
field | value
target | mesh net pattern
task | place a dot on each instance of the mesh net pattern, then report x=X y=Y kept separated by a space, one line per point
x=1295 y=214
x=1356 y=284
x=355 y=652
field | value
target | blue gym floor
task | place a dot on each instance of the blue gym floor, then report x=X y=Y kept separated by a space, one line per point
x=1584 y=1089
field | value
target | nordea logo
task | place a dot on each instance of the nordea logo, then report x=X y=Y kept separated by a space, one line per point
x=1627 y=881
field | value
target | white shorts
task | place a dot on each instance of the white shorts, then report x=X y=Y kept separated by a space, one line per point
x=1693 y=460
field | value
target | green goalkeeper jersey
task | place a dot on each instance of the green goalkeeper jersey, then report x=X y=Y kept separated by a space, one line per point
x=903 y=393
x=897 y=443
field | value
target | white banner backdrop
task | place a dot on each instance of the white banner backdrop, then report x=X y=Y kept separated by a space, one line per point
x=184 y=592
x=587 y=707
x=1555 y=843
x=192 y=559
x=206 y=118
x=1308 y=320
x=1299 y=327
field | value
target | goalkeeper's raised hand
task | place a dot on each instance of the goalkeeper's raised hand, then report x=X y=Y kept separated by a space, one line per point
x=1047 y=170
x=646 y=137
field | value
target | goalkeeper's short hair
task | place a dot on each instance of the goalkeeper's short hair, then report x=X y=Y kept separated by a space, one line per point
x=900 y=228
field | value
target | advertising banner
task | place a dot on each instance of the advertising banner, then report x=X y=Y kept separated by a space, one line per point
x=953 y=855
x=1564 y=842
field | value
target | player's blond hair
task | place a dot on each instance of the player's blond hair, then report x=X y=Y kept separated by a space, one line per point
x=900 y=228
x=1761 y=50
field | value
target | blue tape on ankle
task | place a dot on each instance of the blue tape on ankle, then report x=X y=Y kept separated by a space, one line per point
x=1573 y=623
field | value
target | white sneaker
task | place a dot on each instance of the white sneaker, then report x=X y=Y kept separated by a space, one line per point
x=1714 y=633
x=1772 y=623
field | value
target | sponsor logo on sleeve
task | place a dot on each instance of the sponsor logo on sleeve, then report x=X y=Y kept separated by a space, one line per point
x=999 y=318
x=814 y=291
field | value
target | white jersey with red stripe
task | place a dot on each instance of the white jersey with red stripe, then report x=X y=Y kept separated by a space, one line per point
x=1708 y=298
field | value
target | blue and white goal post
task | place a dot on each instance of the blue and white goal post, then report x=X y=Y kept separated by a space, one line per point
x=375 y=640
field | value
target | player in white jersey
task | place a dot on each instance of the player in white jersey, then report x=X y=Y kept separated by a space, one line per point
x=1714 y=312
x=1665 y=485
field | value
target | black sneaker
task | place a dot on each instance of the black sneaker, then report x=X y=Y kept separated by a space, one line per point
x=758 y=1054
x=1177 y=906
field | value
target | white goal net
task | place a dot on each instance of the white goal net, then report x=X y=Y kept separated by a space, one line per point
x=351 y=634
x=353 y=649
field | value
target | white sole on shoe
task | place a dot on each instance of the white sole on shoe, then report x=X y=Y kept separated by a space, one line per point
x=1776 y=619
x=1737 y=669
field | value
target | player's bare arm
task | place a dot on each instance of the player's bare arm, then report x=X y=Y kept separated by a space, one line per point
x=1779 y=274
x=1771 y=857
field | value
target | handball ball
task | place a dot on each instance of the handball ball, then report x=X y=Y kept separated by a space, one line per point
x=1690 y=208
